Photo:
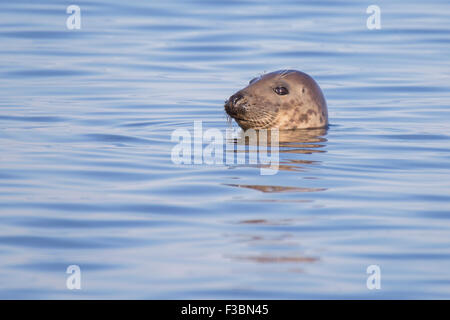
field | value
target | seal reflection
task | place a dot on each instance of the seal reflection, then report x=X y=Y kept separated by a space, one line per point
x=291 y=261
x=301 y=142
x=295 y=147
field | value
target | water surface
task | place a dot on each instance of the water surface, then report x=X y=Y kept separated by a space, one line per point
x=86 y=175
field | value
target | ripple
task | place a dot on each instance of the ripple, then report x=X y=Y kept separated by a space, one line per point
x=275 y=189
x=114 y=138
x=276 y=259
x=47 y=73
x=149 y=208
x=43 y=34
x=62 y=267
x=34 y=118
x=83 y=224
x=64 y=243
x=414 y=137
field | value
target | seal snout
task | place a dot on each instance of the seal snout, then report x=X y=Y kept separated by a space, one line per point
x=234 y=106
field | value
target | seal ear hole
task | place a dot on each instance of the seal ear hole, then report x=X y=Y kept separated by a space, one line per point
x=281 y=91
x=303 y=90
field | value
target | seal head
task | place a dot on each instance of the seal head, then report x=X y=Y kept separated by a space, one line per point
x=285 y=99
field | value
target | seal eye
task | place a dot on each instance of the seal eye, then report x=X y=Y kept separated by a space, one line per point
x=281 y=91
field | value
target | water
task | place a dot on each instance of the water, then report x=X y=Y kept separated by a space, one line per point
x=87 y=178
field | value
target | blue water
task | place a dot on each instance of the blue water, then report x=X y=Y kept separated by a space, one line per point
x=86 y=176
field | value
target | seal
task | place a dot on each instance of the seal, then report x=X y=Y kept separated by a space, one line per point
x=284 y=99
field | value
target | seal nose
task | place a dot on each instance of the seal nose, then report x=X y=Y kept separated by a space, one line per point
x=230 y=105
x=236 y=97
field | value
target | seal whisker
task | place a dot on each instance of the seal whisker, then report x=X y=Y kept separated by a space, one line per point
x=285 y=73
